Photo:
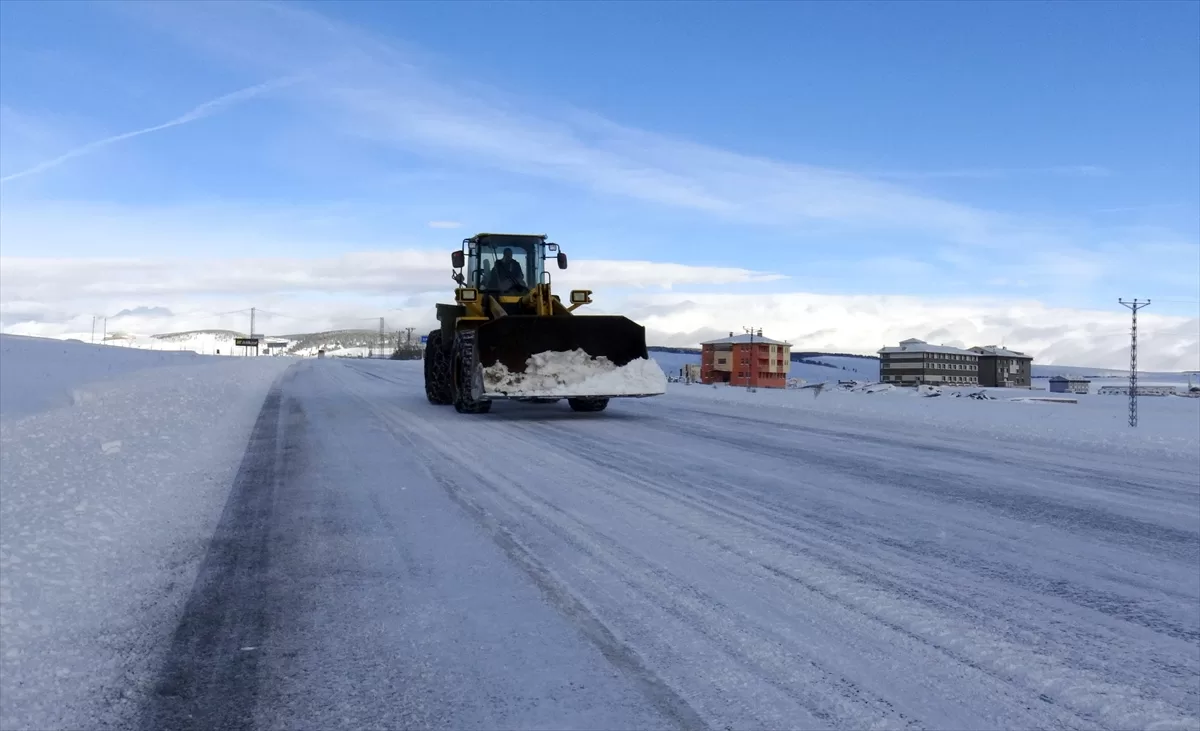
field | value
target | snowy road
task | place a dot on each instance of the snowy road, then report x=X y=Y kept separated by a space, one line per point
x=676 y=563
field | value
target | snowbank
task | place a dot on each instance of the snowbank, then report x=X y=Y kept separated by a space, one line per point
x=106 y=509
x=41 y=373
x=576 y=373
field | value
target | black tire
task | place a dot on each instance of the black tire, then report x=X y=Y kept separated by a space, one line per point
x=588 y=405
x=462 y=369
x=437 y=371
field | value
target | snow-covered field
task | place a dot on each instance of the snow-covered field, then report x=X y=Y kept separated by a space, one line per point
x=710 y=558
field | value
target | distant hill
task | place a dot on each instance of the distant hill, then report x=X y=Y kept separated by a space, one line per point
x=333 y=340
x=191 y=334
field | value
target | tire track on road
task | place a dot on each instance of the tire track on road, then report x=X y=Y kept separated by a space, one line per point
x=210 y=675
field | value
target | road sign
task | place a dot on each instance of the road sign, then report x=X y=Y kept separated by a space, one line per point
x=246 y=342
x=424 y=339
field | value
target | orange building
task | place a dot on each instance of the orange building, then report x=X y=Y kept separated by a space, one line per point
x=746 y=360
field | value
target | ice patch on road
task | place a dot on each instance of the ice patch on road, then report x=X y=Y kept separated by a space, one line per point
x=575 y=373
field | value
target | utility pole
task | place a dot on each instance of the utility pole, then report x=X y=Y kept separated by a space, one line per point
x=382 y=342
x=104 y=337
x=1133 y=306
x=93 y=329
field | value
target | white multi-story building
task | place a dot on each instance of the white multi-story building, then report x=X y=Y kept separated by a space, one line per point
x=916 y=362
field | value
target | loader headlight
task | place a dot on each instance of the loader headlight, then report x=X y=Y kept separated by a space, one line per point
x=468 y=294
x=581 y=296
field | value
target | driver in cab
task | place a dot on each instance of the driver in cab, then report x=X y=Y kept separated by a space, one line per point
x=506 y=274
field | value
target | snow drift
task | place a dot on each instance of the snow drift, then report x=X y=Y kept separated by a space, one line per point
x=42 y=373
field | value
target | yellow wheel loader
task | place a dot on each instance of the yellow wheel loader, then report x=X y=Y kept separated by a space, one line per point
x=507 y=336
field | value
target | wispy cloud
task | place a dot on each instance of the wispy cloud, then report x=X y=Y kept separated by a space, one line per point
x=1089 y=171
x=388 y=97
x=445 y=224
x=393 y=96
x=201 y=111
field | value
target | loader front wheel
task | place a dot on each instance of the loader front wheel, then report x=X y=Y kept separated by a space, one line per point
x=588 y=405
x=462 y=370
x=437 y=371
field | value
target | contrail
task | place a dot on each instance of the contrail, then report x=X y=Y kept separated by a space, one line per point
x=204 y=110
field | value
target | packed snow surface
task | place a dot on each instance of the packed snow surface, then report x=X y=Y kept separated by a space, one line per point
x=575 y=373
x=222 y=545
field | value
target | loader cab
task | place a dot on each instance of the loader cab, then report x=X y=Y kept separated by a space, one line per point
x=490 y=260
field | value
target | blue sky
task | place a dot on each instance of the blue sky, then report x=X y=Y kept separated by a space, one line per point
x=949 y=152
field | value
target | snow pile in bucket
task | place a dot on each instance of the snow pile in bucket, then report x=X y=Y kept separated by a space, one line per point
x=575 y=373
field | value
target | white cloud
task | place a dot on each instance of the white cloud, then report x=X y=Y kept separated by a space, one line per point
x=445 y=224
x=863 y=324
x=56 y=297
x=386 y=273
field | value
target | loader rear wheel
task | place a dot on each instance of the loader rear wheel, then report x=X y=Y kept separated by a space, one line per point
x=462 y=370
x=438 y=388
x=588 y=405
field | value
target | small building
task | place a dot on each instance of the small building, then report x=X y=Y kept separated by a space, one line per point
x=915 y=362
x=1069 y=384
x=746 y=360
x=1000 y=367
x=1141 y=390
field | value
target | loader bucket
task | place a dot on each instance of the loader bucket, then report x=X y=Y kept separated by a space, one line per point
x=511 y=341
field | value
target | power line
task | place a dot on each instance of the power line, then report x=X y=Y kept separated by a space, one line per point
x=1133 y=306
